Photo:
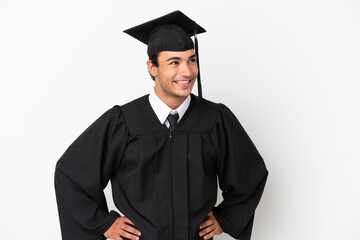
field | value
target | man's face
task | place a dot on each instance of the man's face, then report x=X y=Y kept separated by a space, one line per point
x=176 y=74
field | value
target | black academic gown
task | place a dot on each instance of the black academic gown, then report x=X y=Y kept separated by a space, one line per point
x=165 y=183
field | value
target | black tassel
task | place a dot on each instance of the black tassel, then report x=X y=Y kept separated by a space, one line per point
x=197 y=61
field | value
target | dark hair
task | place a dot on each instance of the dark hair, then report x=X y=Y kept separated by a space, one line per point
x=154 y=60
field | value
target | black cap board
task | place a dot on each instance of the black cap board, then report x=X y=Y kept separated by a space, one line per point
x=171 y=32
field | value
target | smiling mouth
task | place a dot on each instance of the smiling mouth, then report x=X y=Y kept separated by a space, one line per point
x=183 y=81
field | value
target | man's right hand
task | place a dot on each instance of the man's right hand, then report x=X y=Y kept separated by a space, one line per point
x=121 y=228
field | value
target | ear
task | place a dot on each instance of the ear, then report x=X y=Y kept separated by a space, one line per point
x=152 y=68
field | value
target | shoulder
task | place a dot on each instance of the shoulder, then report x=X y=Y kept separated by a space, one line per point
x=109 y=115
x=203 y=104
x=136 y=104
x=132 y=108
x=139 y=116
x=117 y=113
x=204 y=110
x=201 y=115
x=216 y=113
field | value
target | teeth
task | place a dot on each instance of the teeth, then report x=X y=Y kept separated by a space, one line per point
x=183 y=82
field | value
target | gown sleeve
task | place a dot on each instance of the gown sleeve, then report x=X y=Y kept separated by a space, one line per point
x=242 y=175
x=83 y=172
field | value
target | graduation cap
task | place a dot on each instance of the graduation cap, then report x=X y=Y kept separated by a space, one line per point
x=171 y=32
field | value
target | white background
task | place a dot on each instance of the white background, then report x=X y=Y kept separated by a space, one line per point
x=288 y=69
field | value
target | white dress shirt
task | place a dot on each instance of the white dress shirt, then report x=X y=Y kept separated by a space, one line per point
x=162 y=110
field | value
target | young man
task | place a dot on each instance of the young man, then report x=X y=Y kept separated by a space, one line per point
x=163 y=153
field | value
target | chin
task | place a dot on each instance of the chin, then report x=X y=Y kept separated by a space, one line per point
x=183 y=93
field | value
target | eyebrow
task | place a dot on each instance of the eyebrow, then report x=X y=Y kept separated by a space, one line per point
x=178 y=58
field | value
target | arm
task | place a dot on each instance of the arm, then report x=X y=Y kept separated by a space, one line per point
x=242 y=176
x=82 y=173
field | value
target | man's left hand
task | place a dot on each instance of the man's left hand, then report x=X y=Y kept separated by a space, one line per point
x=210 y=227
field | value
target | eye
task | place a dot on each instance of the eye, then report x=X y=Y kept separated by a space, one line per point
x=174 y=63
x=193 y=60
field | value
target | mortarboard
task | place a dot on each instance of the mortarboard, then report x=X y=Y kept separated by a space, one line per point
x=171 y=32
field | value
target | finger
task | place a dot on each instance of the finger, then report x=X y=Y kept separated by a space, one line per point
x=115 y=236
x=205 y=224
x=210 y=213
x=129 y=221
x=131 y=229
x=129 y=235
x=206 y=230
x=210 y=235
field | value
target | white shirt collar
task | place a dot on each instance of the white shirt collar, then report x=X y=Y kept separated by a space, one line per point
x=162 y=110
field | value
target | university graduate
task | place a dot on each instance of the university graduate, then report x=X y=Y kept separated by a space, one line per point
x=165 y=154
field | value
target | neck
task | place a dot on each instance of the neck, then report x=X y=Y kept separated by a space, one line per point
x=172 y=102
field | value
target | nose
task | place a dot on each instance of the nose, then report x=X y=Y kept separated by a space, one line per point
x=185 y=71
